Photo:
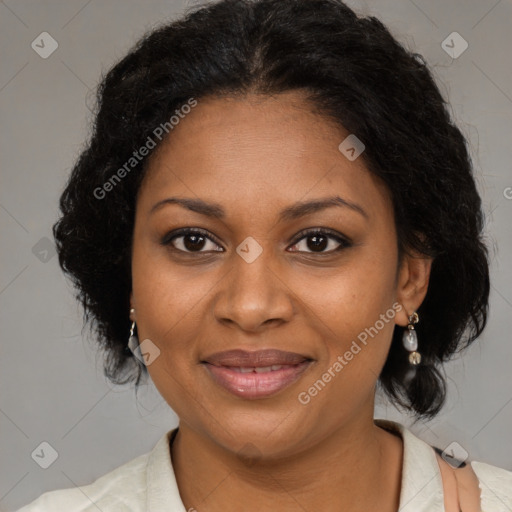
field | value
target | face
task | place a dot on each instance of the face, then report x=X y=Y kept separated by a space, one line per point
x=264 y=296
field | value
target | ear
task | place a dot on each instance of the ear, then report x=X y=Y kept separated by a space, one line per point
x=412 y=284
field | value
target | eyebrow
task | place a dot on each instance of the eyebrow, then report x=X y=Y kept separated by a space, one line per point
x=292 y=212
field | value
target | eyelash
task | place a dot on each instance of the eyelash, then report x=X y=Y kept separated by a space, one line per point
x=343 y=241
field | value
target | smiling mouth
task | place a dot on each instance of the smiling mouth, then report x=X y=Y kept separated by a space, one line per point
x=253 y=375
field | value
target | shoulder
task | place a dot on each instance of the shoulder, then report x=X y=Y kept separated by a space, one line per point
x=422 y=482
x=111 y=492
x=145 y=483
x=125 y=484
x=495 y=486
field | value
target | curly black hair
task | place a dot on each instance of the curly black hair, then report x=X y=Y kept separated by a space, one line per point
x=354 y=72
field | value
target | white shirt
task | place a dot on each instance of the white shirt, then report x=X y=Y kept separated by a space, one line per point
x=148 y=484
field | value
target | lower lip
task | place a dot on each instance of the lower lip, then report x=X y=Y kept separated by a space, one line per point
x=256 y=385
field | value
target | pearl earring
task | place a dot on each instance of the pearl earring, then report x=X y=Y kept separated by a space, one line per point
x=410 y=340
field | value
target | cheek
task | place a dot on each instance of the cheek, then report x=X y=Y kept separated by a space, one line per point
x=357 y=332
x=170 y=304
x=166 y=293
x=167 y=310
x=354 y=296
x=354 y=315
x=169 y=307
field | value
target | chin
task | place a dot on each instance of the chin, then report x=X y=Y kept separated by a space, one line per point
x=261 y=432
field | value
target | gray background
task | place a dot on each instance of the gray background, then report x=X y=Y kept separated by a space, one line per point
x=52 y=387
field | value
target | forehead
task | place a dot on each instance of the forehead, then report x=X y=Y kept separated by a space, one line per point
x=258 y=151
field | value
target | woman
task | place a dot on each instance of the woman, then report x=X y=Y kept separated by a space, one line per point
x=276 y=214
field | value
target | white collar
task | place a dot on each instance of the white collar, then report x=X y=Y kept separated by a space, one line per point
x=422 y=485
x=162 y=489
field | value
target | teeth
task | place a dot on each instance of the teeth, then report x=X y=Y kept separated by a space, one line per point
x=263 y=369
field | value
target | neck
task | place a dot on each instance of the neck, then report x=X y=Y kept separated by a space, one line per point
x=357 y=467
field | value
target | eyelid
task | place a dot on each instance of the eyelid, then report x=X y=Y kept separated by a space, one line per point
x=342 y=239
x=169 y=237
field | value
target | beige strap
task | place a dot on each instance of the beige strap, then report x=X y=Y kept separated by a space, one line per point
x=469 y=489
x=460 y=486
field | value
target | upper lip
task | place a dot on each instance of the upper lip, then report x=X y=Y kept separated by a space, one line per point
x=255 y=359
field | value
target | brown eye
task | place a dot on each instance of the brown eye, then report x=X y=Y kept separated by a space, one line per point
x=319 y=241
x=193 y=242
x=190 y=240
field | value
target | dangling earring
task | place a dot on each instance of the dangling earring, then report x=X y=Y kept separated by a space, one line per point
x=410 y=340
x=133 y=341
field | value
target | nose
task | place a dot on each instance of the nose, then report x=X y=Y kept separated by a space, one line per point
x=254 y=295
